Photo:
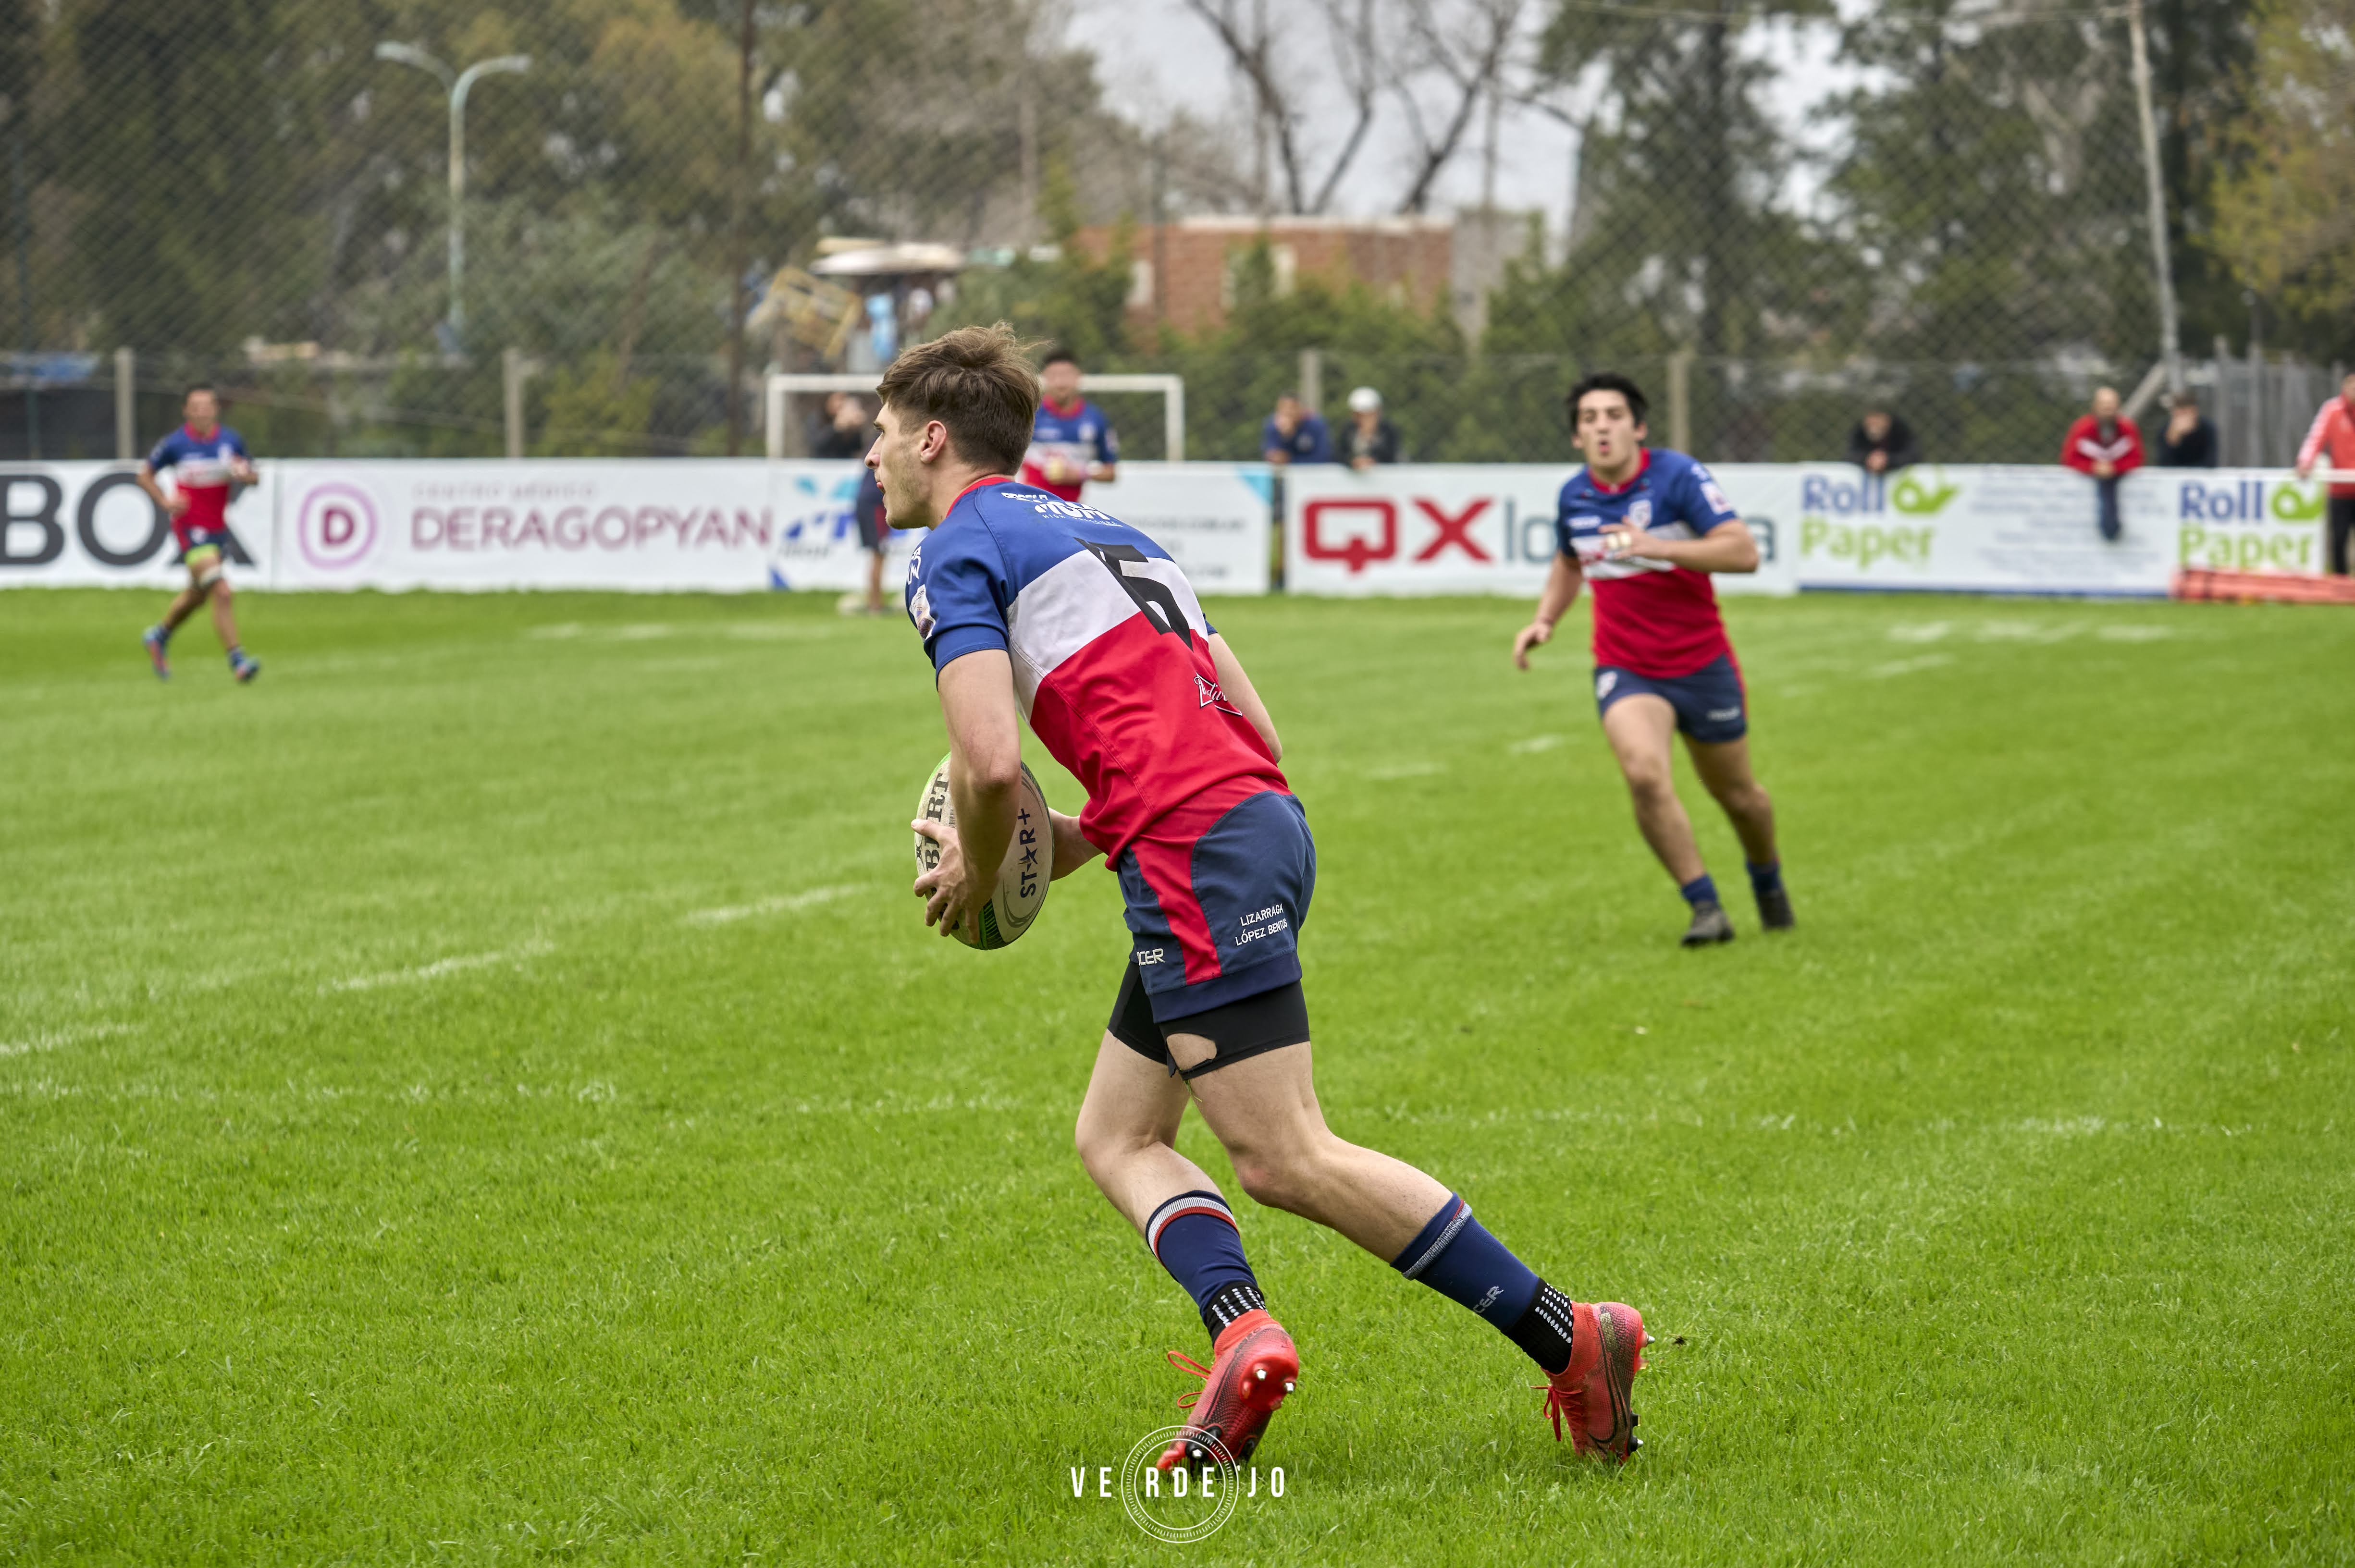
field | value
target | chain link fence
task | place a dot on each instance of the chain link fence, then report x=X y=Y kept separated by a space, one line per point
x=1774 y=220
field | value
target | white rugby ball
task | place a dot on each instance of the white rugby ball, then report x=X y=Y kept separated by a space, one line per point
x=1029 y=862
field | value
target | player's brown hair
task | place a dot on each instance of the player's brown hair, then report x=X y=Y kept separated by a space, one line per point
x=978 y=381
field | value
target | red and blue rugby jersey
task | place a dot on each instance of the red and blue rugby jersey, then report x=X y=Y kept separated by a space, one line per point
x=199 y=467
x=1111 y=652
x=1651 y=616
x=1077 y=433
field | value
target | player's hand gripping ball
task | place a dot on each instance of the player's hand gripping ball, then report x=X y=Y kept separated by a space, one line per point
x=1022 y=878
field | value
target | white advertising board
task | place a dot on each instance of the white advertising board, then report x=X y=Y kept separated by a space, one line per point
x=742 y=525
x=1479 y=528
x=2034 y=529
x=89 y=525
x=1212 y=517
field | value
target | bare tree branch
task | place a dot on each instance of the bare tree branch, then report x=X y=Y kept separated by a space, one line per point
x=1353 y=31
x=1250 y=56
x=1471 y=78
x=1358 y=49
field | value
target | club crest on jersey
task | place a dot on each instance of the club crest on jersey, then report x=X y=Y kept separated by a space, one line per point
x=1211 y=697
x=1639 y=514
x=919 y=610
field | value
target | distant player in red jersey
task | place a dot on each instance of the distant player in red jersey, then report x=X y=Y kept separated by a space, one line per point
x=1032 y=606
x=204 y=457
x=1648 y=528
x=1071 y=440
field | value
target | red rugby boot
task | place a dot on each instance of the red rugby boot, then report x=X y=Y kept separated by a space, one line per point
x=1590 y=1394
x=1253 y=1366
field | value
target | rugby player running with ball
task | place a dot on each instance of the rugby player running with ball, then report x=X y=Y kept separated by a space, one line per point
x=1028 y=604
x=204 y=457
x=1648 y=528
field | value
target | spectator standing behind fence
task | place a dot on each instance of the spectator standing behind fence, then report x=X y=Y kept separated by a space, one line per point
x=1292 y=434
x=846 y=434
x=2330 y=443
x=2189 y=440
x=1370 y=437
x=2107 y=449
x=1883 y=443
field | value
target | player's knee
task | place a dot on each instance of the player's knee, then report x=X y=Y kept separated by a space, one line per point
x=1269 y=1180
x=1289 y=1180
x=1747 y=799
x=1650 y=785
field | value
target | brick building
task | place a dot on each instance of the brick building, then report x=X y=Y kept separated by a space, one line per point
x=1183 y=273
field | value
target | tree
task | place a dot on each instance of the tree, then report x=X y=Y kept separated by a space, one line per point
x=1682 y=242
x=2286 y=208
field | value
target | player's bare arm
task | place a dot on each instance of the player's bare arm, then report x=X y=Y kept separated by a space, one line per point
x=1562 y=583
x=1728 y=548
x=1245 y=697
x=172 y=502
x=985 y=774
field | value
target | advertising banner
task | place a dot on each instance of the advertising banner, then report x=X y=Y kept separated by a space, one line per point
x=742 y=525
x=2244 y=520
x=1212 y=517
x=89 y=525
x=1480 y=528
x=2034 y=530
x=713 y=526
x=582 y=524
x=2001 y=529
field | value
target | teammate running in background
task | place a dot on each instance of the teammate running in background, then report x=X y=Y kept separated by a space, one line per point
x=1648 y=527
x=1071 y=440
x=1028 y=604
x=204 y=457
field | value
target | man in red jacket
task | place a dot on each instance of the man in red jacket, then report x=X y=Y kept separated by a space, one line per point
x=2107 y=449
x=2332 y=443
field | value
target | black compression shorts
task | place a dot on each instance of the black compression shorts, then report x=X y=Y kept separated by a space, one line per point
x=1266 y=1021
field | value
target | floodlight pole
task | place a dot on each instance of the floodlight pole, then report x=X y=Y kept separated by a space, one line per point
x=458 y=84
x=2170 y=343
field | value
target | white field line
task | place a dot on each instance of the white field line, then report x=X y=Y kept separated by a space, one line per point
x=1907 y=666
x=730 y=913
x=1536 y=744
x=439 y=968
x=61 y=1037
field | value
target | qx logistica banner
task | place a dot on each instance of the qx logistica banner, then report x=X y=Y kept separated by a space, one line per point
x=1974 y=529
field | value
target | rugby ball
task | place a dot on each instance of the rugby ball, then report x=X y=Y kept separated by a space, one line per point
x=1029 y=858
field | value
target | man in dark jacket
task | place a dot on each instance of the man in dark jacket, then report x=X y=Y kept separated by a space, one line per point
x=1883 y=443
x=2188 y=440
x=1292 y=434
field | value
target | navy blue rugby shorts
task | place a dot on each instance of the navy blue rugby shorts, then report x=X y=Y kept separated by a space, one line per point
x=1710 y=703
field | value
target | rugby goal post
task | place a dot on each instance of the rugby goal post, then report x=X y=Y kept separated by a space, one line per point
x=782 y=384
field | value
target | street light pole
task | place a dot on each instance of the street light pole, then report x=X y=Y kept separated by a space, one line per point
x=458 y=84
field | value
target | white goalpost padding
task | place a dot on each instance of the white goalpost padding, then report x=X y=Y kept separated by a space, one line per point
x=1172 y=388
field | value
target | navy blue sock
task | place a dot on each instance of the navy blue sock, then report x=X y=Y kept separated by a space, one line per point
x=1764 y=878
x=1700 y=890
x=1457 y=1257
x=1194 y=1236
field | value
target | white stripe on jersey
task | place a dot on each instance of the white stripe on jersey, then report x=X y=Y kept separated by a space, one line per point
x=1072 y=603
x=1595 y=562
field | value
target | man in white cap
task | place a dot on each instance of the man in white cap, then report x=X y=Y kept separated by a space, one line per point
x=1370 y=437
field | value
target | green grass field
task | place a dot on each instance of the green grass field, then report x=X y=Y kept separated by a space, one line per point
x=484 y=1092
